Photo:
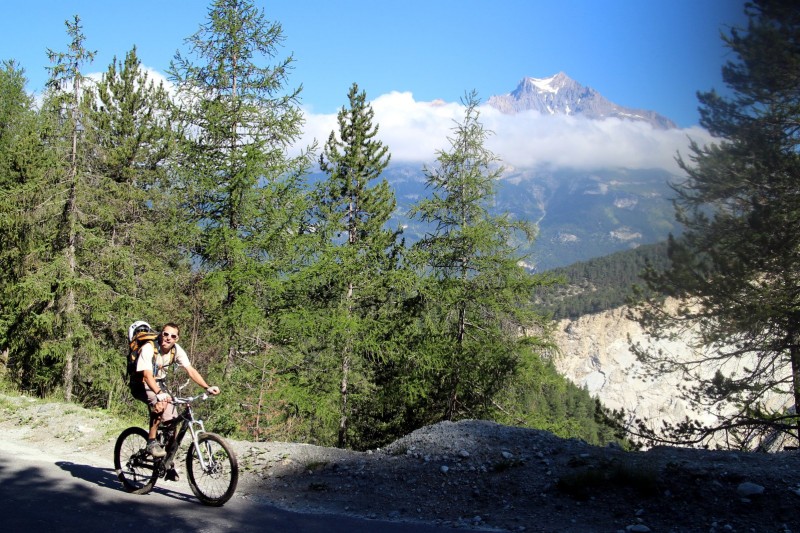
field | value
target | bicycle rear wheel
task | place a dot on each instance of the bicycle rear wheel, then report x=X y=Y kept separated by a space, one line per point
x=212 y=470
x=133 y=465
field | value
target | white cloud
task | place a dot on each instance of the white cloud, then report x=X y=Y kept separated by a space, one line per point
x=157 y=78
x=413 y=131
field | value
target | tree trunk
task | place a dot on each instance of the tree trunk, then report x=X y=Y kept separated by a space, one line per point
x=69 y=300
x=794 y=353
x=343 y=418
x=69 y=297
x=342 y=442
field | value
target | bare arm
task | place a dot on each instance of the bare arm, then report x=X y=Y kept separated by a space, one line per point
x=150 y=381
x=197 y=378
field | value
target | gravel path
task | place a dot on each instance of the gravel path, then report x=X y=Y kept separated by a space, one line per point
x=474 y=475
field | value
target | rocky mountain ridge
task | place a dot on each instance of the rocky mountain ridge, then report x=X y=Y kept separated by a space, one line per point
x=562 y=95
x=580 y=214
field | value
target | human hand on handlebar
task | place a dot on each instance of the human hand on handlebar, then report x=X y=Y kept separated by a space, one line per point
x=214 y=390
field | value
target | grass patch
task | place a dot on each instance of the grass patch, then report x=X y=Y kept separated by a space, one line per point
x=7 y=406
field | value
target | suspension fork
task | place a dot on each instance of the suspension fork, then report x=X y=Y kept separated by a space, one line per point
x=196 y=428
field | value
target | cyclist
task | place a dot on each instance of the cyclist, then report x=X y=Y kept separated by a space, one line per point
x=148 y=381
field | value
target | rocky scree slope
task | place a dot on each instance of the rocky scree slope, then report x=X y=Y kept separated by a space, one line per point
x=476 y=475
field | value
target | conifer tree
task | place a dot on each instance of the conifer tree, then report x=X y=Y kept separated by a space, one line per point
x=48 y=326
x=478 y=295
x=359 y=263
x=736 y=268
x=85 y=198
x=129 y=125
x=131 y=231
x=242 y=187
x=20 y=153
x=66 y=71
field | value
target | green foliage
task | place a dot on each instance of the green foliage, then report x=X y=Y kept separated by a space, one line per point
x=476 y=294
x=737 y=265
x=539 y=397
x=600 y=284
x=240 y=186
x=84 y=229
x=118 y=203
x=42 y=305
x=19 y=149
x=353 y=289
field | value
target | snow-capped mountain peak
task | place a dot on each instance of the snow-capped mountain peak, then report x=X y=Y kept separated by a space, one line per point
x=545 y=85
x=561 y=95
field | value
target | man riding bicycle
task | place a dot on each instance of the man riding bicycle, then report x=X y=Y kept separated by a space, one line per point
x=148 y=380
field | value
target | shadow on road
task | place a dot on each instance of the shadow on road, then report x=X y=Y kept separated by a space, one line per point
x=38 y=496
x=107 y=478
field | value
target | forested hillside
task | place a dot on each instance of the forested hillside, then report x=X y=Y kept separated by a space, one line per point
x=601 y=283
x=120 y=201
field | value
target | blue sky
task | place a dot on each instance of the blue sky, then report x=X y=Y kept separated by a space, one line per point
x=650 y=54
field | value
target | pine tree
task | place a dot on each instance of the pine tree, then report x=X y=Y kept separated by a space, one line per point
x=478 y=296
x=359 y=264
x=129 y=235
x=736 y=268
x=129 y=125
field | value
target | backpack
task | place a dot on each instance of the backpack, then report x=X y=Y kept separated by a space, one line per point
x=141 y=336
x=139 y=339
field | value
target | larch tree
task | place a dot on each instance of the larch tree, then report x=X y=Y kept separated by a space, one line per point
x=242 y=186
x=736 y=268
x=478 y=296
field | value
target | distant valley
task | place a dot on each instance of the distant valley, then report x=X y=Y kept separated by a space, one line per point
x=580 y=215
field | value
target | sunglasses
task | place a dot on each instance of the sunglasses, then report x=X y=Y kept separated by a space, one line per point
x=166 y=335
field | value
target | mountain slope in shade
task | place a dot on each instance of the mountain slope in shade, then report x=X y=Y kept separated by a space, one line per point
x=579 y=214
x=561 y=95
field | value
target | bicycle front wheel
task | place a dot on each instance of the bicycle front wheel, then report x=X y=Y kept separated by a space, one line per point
x=212 y=470
x=133 y=465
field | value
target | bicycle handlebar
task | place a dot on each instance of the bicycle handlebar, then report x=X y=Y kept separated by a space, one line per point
x=189 y=399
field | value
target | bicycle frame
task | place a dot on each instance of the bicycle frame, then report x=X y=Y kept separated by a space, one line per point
x=187 y=423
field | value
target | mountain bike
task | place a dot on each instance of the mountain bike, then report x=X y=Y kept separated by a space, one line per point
x=211 y=465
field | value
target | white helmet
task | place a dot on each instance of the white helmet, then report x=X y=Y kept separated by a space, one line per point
x=136 y=327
